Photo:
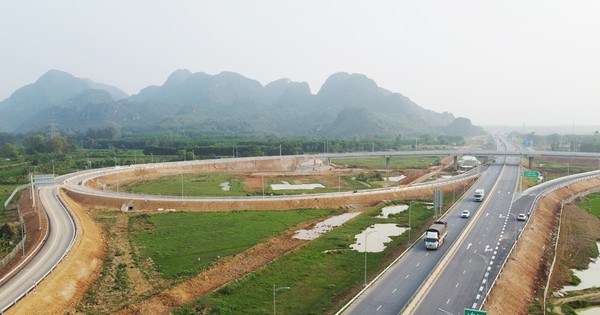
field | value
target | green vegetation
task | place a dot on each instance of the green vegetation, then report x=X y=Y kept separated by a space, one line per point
x=395 y=162
x=592 y=204
x=318 y=273
x=181 y=244
x=193 y=185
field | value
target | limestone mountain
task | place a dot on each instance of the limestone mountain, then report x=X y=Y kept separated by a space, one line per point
x=223 y=104
x=51 y=89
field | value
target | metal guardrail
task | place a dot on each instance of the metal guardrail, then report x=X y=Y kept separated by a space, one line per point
x=17 y=189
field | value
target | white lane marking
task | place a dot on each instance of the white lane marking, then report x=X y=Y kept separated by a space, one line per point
x=394 y=291
x=379 y=307
x=448 y=302
x=407 y=276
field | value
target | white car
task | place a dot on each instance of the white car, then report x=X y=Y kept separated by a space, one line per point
x=522 y=217
x=465 y=214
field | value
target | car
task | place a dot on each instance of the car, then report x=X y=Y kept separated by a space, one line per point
x=522 y=217
x=465 y=214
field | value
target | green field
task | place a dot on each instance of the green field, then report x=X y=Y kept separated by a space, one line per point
x=395 y=162
x=592 y=204
x=181 y=244
x=189 y=185
x=318 y=273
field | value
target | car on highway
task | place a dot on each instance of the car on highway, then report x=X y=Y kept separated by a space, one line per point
x=522 y=217
x=465 y=214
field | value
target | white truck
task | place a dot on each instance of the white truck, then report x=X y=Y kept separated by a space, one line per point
x=436 y=234
x=479 y=194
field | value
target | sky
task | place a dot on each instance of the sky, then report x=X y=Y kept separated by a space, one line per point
x=534 y=62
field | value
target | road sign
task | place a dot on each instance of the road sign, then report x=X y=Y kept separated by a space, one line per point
x=531 y=174
x=474 y=312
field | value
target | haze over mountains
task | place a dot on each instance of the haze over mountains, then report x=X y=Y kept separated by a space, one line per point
x=225 y=104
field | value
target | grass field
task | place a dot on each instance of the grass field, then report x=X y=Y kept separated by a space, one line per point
x=181 y=244
x=395 y=162
x=190 y=185
x=209 y=184
x=592 y=204
x=318 y=274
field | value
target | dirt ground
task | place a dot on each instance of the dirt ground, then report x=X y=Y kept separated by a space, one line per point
x=64 y=291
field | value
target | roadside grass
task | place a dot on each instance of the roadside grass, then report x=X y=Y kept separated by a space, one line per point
x=181 y=244
x=395 y=162
x=5 y=191
x=322 y=275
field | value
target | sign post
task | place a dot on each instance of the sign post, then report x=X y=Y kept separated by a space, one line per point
x=531 y=174
x=474 y=312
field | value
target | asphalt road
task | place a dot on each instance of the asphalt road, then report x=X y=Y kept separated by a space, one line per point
x=394 y=289
x=59 y=241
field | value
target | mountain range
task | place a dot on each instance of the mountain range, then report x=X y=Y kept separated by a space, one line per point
x=227 y=103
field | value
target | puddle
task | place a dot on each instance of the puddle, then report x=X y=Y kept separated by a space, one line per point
x=589 y=311
x=395 y=178
x=376 y=236
x=287 y=186
x=386 y=211
x=589 y=277
x=225 y=186
x=324 y=227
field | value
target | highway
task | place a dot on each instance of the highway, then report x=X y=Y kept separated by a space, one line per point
x=487 y=243
x=59 y=240
x=463 y=278
x=394 y=289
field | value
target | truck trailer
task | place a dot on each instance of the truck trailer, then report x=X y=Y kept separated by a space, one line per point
x=436 y=234
x=479 y=194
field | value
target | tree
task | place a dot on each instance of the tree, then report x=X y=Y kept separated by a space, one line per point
x=11 y=151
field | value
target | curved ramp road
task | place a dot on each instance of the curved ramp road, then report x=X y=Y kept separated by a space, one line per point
x=59 y=241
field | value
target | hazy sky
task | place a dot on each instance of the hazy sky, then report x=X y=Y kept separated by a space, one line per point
x=495 y=62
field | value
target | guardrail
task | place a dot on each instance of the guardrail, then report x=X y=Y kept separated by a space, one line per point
x=17 y=189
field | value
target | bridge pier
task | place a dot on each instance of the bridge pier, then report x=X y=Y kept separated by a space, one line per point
x=530 y=162
x=455 y=163
x=387 y=162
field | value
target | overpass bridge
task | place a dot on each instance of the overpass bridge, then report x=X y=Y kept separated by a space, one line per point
x=529 y=154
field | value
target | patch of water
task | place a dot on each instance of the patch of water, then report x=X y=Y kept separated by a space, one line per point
x=589 y=277
x=324 y=227
x=376 y=237
x=287 y=186
x=589 y=311
x=386 y=211
x=225 y=186
x=395 y=178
